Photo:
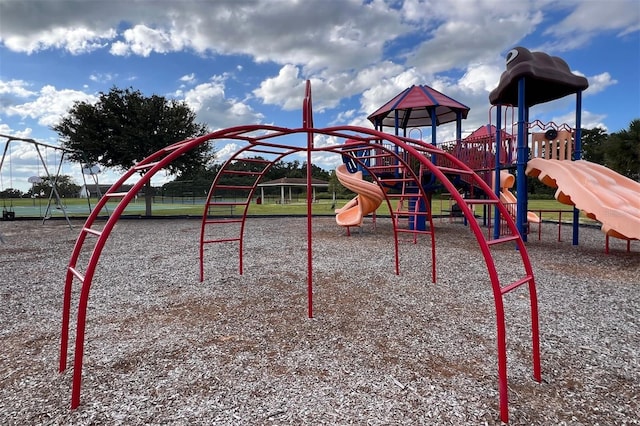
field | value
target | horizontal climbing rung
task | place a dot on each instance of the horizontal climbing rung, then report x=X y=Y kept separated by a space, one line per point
x=76 y=273
x=264 y=151
x=227 y=203
x=221 y=240
x=516 y=284
x=115 y=194
x=384 y=166
x=92 y=231
x=222 y=221
x=414 y=231
x=396 y=180
x=234 y=187
x=503 y=240
x=175 y=146
x=242 y=172
x=145 y=166
x=410 y=213
x=457 y=171
x=255 y=160
x=481 y=200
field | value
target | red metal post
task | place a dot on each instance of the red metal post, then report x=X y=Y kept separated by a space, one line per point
x=307 y=121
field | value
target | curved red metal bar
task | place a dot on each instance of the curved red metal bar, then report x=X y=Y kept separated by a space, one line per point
x=259 y=138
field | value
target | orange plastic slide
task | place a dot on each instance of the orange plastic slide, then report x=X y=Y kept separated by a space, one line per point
x=369 y=198
x=508 y=199
x=604 y=195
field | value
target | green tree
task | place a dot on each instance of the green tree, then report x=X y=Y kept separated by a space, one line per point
x=11 y=193
x=123 y=127
x=622 y=152
x=65 y=185
x=593 y=143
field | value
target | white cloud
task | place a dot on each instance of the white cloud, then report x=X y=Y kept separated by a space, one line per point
x=17 y=88
x=188 y=78
x=212 y=107
x=74 y=40
x=5 y=129
x=599 y=83
x=285 y=90
x=102 y=77
x=225 y=152
x=142 y=40
x=590 y=17
x=50 y=105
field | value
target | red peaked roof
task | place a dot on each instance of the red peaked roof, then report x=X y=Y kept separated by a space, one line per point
x=415 y=106
x=487 y=131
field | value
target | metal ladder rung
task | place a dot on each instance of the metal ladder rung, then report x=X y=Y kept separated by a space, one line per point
x=145 y=166
x=221 y=240
x=515 y=284
x=241 y=172
x=92 y=231
x=255 y=160
x=263 y=151
x=457 y=171
x=503 y=240
x=77 y=273
x=396 y=180
x=233 y=187
x=410 y=213
x=222 y=221
x=227 y=203
x=480 y=201
x=414 y=231
x=115 y=194
x=175 y=146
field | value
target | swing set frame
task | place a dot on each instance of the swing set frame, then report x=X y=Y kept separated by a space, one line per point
x=53 y=178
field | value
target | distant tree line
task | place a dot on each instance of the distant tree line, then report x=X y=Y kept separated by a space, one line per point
x=197 y=182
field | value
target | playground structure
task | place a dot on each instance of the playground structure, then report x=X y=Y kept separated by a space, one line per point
x=543 y=150
x=369 y=198
x=404 y=172
x=392 y=162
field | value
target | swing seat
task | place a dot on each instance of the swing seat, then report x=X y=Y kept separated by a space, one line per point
x=7 y=215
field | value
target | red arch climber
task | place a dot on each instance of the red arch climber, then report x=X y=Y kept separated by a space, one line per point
x=392 y=161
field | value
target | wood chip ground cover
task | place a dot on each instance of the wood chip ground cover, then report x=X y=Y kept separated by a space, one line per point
x=163 y=348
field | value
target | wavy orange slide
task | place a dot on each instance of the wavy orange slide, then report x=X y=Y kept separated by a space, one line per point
x=604 y=195
x=369 y=198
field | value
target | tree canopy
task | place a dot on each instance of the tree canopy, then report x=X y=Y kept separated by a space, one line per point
x=619 y=151
x=593 y=143
x=622 y=151
x=123 y=127
x=65 y=186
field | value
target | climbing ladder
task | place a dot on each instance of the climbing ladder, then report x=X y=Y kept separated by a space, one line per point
x=391 y=170
x=233 y=188
x=98 y=237
x=446 y=174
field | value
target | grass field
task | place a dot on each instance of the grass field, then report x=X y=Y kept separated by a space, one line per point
x=28 y=208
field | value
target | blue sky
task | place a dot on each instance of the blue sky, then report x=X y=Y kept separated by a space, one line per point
x=246 y=61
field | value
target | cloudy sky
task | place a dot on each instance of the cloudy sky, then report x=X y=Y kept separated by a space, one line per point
x=246 y=61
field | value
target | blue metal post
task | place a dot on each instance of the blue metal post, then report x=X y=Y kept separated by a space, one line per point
x=434 y=141
x=496 y=179
x=577 y=155
x=521 y=162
